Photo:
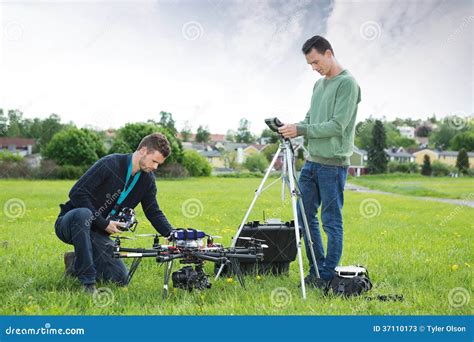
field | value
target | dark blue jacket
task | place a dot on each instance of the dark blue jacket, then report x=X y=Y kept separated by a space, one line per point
x=99 y=188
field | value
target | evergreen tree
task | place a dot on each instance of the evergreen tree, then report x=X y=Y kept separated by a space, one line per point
x=426 y=168
x=462 y=162
x=377 y=158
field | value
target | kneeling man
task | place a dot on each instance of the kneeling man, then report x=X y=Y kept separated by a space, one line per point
x=112 y=183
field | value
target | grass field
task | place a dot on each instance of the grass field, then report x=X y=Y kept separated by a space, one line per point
x=416 y=248
x=417 y=185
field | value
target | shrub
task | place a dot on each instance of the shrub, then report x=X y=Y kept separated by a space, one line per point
x=14 y=169
x=256 y=162
x=70 y=172
x=79 y=147
x=172 y=170
x=394 y=166
x=440 y=169
x=8 y=156
x=196 y=164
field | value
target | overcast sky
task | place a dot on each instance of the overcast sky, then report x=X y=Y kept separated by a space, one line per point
x=212 y=62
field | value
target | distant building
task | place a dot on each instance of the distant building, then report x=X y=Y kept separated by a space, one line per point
x=19 y=146
x=446 y=157
x=358 y=160
x=399 y=155
x=214 y=158
x=407 y=131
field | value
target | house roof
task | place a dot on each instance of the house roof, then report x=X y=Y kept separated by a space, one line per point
x=453 y=153
x=18 y=142
x=210 y=154
x=229 y=146
x=194 y=146
x=398 y=153
x=359 y=150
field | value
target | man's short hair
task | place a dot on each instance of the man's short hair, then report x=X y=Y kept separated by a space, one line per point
x=156 y=142
x=319 y=43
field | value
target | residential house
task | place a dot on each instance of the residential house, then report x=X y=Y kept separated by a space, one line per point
x=214 y=157
x=19 y=146
x=358 y=161
x=210 y=152
x=446 y=157
x=399 y=155
x=407 y=131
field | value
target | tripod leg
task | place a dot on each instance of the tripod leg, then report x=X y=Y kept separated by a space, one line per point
x=257 y=194
x=291 y=183
x=284 y=176
x=308 y=235
x=305 y=221
x=168 y=269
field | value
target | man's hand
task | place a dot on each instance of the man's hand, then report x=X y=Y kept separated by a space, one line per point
x=170 y=236
x=288 y=130
x=113 y=228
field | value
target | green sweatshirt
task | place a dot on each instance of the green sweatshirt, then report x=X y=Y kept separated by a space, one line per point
x=330 y=122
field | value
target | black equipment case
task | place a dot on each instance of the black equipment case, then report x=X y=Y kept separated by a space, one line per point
x=279 y=237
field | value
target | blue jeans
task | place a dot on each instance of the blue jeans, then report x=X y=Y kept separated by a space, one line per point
x=93 y=251
x=323 y=186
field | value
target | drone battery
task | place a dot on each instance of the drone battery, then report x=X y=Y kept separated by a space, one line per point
x=279 y=237
x=188 y=234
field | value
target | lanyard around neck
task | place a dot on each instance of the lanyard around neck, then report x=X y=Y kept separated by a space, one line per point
x=126 y=190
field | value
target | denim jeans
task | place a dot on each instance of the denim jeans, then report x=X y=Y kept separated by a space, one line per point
x=93 y=250
x=323 y=186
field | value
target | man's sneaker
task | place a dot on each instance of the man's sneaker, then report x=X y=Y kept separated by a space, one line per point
x=69 y=264
x=318 y=283
x=90 y=288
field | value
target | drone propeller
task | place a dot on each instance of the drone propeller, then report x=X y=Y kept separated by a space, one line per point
x=214 y=236
x=250 y=239
x=123 y=237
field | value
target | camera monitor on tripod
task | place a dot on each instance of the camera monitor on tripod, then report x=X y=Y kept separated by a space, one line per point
x=274 y=124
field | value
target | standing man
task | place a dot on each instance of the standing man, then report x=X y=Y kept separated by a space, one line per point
x=328 y=129
x=112 y=183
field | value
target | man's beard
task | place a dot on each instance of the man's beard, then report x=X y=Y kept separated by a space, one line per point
x=142 y=166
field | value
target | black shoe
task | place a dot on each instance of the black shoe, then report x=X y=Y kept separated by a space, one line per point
x=90 y=288
x=69 y=264
x=318 y=283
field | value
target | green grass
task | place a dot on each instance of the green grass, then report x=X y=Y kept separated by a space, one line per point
x=409 y=247
x=417 y=185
